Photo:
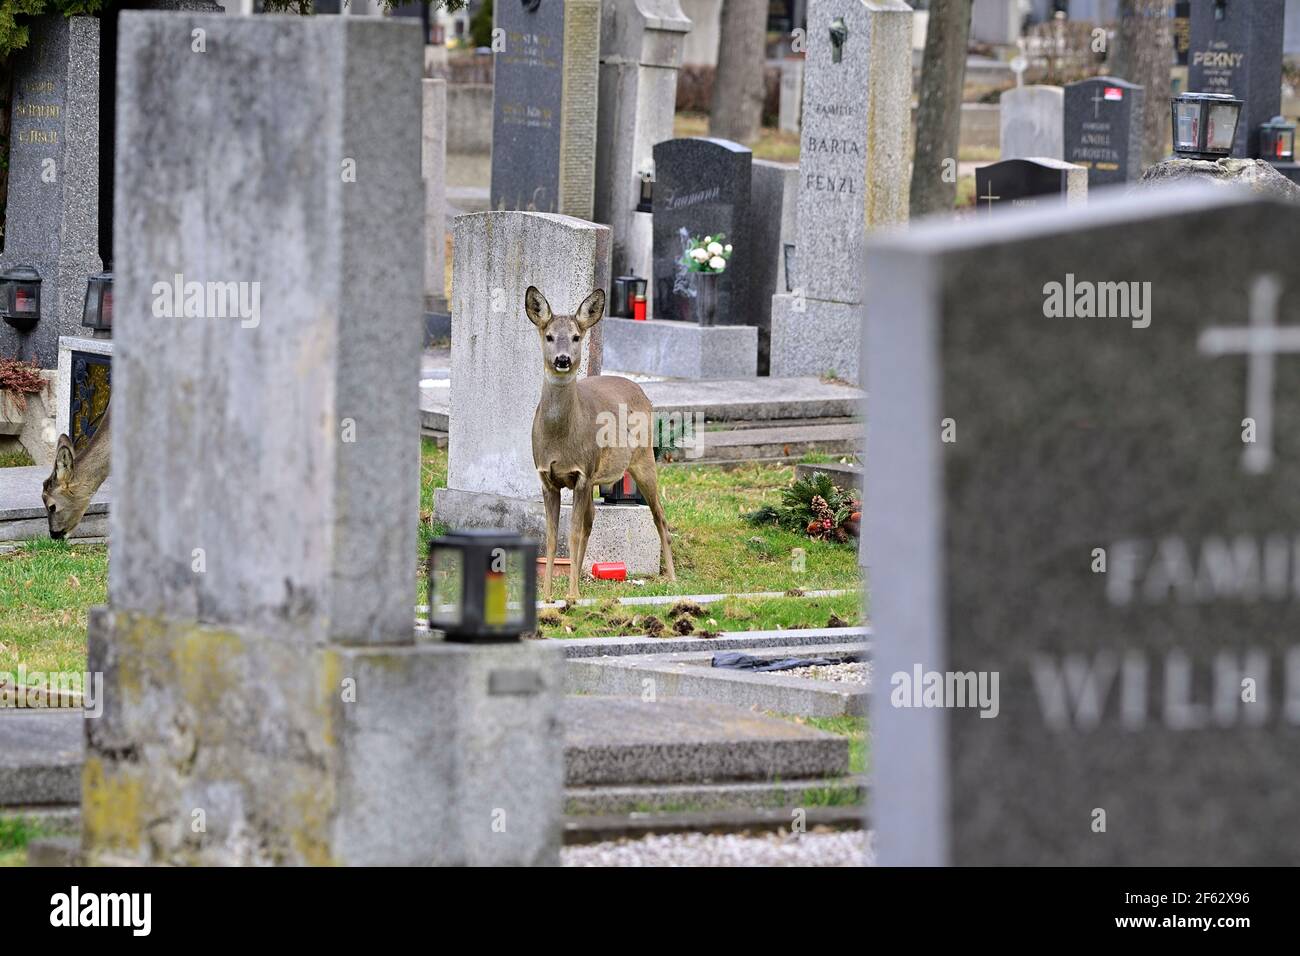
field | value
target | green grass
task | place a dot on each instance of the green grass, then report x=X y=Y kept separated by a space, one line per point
x=855 y=728
x=15 y=834
x=15 y=459
x=47 y=586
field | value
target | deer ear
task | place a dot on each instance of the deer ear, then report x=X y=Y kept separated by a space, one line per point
x=592 y=308
x=537 y=308
x=64 y=457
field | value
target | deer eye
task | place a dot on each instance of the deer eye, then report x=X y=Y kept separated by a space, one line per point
x=52 y=508
x=576 y=337
x=550 y=338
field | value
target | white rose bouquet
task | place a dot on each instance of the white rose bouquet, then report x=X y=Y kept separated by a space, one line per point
x=709 y=254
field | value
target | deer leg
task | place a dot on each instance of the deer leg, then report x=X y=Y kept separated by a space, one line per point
x=551 y=501
x=646 y=476
x=584 y=510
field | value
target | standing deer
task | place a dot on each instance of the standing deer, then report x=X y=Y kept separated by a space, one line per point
x=572 y=431
x=76 y=477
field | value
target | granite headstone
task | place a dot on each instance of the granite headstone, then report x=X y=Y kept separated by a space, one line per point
x=854 y=173
x=1089 y=572
x=702 y=188
x=544 y=105
x=1103 y=129
x=1236 y=47
x=1029 y=182
x=52 y=216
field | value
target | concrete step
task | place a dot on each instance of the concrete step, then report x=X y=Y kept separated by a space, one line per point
x=609 y=742
x=598 y=829
x=754 y=442
x=758 y=399
x=22 y=513
x=760 y=795
x=618 y=740
x=40 y=757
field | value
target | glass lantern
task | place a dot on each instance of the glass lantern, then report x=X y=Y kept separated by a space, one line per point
x=1205 y=125
x=1277 y=140
x=483 y=586
x=97 y=313
x=20 y=297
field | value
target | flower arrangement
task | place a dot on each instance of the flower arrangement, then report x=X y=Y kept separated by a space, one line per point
x=709 y=254
x=815 y=507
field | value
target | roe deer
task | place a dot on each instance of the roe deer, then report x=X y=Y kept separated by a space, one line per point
x=572 y=418
x=76 y=477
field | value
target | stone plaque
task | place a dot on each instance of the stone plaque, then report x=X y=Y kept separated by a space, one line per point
x=1103 y=129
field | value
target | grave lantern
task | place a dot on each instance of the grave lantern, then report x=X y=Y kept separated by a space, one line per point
x=1277 y=140
x=97 y=313
x=626 y=290
x=483 y=586
x=1205 y=124
x=20 y=297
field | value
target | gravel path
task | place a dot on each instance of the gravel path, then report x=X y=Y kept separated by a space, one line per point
x=853 y=673
x=837 y=848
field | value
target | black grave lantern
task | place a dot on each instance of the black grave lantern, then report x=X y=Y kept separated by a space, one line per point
x=1277 y=140
x=20 y=297
x=97 y=313
x=1205 y=124
x=483 y=586
x=622 y=492
x=645 y=203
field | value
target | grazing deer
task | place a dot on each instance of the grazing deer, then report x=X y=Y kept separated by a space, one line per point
x=580 y=440
x=76 y=477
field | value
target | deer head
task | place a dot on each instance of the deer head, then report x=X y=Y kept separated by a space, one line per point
x=562 y=335
x=75 y=479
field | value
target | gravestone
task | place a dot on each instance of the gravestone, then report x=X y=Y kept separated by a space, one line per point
x=702 y=188
x=258 y=644
x=1236 y=47
x=1140 y=623
x=1033 y=122
x=791 y=100
x=774 y=224
x=433 y=157
x=854 y=171
x=1103 y=129
x=496 y=377
x=640 y=54
x=1029 y=182
x=544 y=107
x=52 y=217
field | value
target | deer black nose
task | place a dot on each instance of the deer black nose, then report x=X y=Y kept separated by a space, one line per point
x=563 y=363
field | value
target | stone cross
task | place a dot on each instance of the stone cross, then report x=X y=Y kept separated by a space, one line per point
x=1262 y=341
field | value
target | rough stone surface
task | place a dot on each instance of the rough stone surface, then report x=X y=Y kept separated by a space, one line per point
x=1033 y=122
x=52 y=216
x=1103 y=129
x=983 y=548
x=433 y=164
x=627 y=646
x=1255 y=175
x=302 y=530
x=612 y=740
x=854 y=162
x=640 y=53
x=497 y=375
x=681 y=349
x=1239 y=52
x=618 y=532
x=817 y=340
x=544 y=107
x=754 y=400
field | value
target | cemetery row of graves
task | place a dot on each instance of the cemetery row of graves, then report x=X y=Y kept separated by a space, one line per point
x=307 y=602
